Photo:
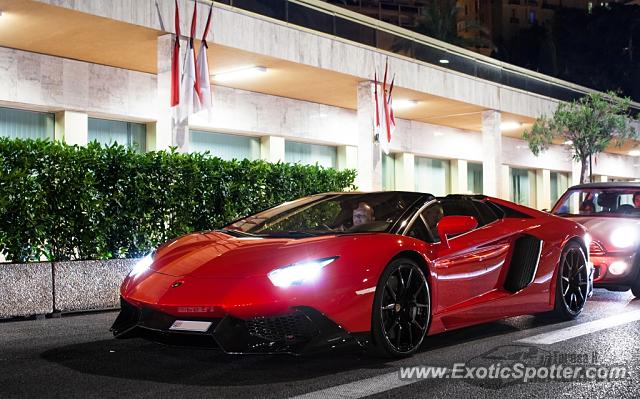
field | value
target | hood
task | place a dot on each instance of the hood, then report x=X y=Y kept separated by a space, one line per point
x=215 y=254
x=601 y=228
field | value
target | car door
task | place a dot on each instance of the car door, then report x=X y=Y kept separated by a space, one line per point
x=470 y=266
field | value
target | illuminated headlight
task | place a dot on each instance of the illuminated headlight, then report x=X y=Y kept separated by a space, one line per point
x=624 y=237
x=142 y=266
x=618 y=267
x=299 y=273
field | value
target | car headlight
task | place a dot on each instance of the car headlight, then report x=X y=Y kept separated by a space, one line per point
x=624 y=237
x=299 y=273
x=142 y=265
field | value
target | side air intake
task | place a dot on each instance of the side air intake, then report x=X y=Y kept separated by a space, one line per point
x=524 y=263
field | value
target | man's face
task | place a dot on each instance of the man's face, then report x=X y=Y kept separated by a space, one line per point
x=361 y=215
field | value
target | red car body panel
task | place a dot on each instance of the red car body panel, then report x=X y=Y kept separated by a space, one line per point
x=213 y=274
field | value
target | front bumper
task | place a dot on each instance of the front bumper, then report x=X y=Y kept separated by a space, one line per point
x=302 y=330
x=605 y=279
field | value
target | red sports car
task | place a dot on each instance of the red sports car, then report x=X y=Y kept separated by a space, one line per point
x=611 y=213
x=335 y=269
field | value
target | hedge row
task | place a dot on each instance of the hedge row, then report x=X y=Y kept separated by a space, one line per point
x=68 y=202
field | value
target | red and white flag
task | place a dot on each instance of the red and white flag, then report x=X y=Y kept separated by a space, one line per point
x=202 y=73
x=392 y=120
x=385 y=139
x=189 y=94
x=176 y=70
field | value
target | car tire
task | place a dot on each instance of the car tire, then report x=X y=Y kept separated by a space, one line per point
x=401 y=309
x=571 y=282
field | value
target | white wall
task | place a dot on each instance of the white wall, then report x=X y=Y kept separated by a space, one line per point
x=262 y=114
x=52 y=83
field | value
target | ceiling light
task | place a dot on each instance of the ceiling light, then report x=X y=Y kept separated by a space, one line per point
x=510 y=125
x=438 y=134
x=634 y=153
x=443 y=61
x=568 y=142
x=243 y=73
x=403 y=104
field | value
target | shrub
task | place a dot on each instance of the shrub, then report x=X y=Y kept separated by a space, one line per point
x=99 y=202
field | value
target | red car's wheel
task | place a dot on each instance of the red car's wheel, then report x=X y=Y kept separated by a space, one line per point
x=401 y=309
x=572 y=283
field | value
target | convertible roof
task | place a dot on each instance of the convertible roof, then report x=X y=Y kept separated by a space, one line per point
x=618 y=184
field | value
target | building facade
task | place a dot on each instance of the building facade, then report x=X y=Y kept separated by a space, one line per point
x=100 y=71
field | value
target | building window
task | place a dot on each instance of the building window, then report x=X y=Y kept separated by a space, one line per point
x=432 y=176
x=109 y=132
x=522 y=186
x=388 y=172
x=21 y=124
x=559 y=184
x=310 y=154
x=474 y=178
x=225 y=146
x=513 y=19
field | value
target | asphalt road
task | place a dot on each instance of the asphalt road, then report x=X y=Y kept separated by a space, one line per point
x=76 y=356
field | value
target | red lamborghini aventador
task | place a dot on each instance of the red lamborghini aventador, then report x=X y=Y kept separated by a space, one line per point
x=382 y=269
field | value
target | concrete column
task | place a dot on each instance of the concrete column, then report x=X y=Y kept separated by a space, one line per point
x=492 y=155
x=347 y=157
x=405 y=171
x=574 y=179
x=459 y=181
x=72 y=127
x=505 y=182
x=543 y=189
x=272 y=148
x=369 y=153
x=168 y=132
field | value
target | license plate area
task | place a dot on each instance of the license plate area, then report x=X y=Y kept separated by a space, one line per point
x=190 y=325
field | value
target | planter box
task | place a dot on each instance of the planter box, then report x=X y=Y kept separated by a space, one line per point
x=26 y=289
x=89 y=285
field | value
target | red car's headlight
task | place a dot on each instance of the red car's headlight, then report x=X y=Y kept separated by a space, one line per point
x=142 y=265
x=299 y=273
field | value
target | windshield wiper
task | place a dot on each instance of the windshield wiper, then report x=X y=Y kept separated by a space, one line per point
x=238 y=233
x=291 y=233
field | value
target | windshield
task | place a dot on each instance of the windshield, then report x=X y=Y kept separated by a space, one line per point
x=328 y=214
x=623 y=202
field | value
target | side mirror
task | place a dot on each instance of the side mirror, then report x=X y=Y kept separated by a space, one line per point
x=450 y=225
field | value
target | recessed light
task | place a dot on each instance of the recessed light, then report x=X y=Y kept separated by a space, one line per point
x=443 y=61
x=510 y=125
x=634 y=153
x=242 y=73
x=404 y=104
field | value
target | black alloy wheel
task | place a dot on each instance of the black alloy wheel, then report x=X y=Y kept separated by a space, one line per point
x=401 y=309
x=573 y=282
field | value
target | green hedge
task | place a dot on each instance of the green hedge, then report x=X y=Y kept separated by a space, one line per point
x=68 y=202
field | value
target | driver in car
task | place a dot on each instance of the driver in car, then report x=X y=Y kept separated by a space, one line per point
x=363 y=214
